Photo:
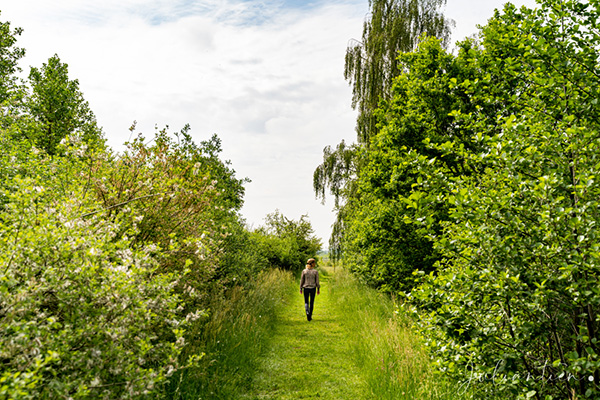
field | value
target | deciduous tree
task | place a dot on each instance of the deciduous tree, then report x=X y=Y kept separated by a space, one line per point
x=513 y=311
x=58 y=108
x=392 y=27
x=10 y=55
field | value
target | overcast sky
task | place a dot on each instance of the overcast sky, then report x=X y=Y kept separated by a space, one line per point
x=265 y=75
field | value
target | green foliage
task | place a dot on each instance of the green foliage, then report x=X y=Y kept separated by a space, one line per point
x=286 y=243
x=370 y=67
x=179 y=198
x=393 y=27
x=383 y=248
x=108 y=259
x=337 y=174
x=120 y=270
x=513 y=312
x=487 y=162
x=337 y=169
x=9 y=58
x=83 y=314
x=58 y=108
x=110 y=262
x=241 y=256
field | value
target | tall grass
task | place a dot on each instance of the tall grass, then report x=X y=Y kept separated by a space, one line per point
x=238 y=328
x=390 y=355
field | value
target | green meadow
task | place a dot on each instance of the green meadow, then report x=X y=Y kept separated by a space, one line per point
x=358 y=346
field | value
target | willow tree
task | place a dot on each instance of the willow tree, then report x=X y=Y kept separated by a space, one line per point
x=391 y=27
x=394 y=26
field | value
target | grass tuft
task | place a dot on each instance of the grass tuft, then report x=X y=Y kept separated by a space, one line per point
x=238 y=328
x=391 y=357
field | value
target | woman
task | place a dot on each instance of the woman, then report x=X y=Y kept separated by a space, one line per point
x=309 y=283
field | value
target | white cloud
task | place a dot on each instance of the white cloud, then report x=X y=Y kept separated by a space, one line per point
x=267 y=79
x=272 y=90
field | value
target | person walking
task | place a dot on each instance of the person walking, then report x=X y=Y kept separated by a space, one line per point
x=309 y=284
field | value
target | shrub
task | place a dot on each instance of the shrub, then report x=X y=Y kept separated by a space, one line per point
x=83 y=314
x=177 y=196
x=286 y=243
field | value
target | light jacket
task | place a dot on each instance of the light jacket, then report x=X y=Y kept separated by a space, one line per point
x=310 y=279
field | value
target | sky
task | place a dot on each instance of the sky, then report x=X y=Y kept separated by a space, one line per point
x=265 y=75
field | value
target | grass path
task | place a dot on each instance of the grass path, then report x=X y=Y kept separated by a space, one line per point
x=308 y=360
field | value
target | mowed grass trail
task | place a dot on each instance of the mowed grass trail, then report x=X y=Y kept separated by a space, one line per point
x=307 y=360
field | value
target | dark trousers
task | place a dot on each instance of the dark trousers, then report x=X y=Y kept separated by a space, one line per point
x=308 y=306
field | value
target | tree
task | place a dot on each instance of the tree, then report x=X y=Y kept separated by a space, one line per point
x=286 y=243
x=386 y=249
x=513 y=311
x=101 y=320
x=9 y=58
x=393 y=26
x=58 y=107
x=178 y=197
x=336 y=174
